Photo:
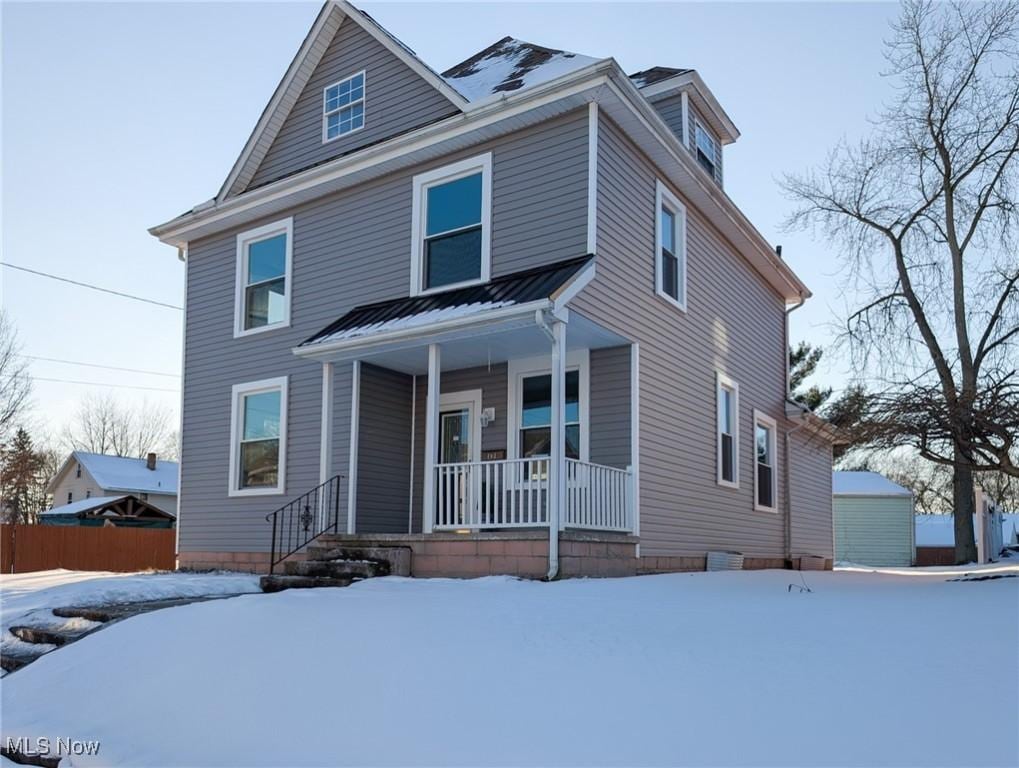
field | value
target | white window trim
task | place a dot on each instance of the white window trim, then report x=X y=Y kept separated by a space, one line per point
x=280 y=383
x=766 y=421
x=723 y=381
x=363 y=101
x=244 y=239
x=422 y=182
x=665 y=198
x=578 y=360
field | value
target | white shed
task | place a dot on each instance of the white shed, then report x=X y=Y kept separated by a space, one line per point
x=873 y=520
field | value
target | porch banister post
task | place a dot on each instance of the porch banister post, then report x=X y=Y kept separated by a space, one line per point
x=355 y=427
x=557 y=458
x=431 y=436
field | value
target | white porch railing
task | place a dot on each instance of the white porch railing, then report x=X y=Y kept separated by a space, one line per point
x=513 y=493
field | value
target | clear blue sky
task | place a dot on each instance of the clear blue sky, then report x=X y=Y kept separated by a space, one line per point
x=119 y=116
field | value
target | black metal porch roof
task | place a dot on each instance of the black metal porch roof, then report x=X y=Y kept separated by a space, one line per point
x=517 y=288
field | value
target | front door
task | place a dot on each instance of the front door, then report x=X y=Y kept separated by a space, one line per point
x=459 y=445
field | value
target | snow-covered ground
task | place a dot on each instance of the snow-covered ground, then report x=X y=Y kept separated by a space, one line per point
x=27 y=598
x=682 y=669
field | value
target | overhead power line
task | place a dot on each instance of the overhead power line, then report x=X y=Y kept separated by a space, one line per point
x=89 y=285
x=107 y=367
x=101 y=384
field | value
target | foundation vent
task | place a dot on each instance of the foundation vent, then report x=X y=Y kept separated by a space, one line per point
x=725 y=561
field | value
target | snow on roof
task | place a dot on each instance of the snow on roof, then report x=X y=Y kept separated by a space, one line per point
x=510 y=65
x=865 y=484
x=83 y=505
x=415 y=321
x=119 y=473
x=654 y=75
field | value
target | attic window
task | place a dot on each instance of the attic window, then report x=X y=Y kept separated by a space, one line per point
x=343 y=107
x=707 y=149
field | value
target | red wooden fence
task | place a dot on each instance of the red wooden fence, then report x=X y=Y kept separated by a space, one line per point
x=26 y=548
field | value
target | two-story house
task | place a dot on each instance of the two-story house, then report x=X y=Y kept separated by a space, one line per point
x=505 y=315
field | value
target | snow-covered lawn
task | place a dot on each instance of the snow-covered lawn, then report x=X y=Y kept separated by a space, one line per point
x=683 y=669
x=27 y=598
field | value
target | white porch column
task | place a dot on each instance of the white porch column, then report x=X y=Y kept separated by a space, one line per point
x=557 y=457
x=355 y=428
x=325 y=444
x=431 y=435
x=635 y=438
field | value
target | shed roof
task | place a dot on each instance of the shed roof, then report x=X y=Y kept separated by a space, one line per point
x=865 y=484
x=419 y=311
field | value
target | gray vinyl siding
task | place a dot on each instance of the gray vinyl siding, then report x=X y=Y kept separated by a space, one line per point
x=610 y=407
x=874 y=530
x=397 y=100
x=810 y=495
x=671 y=110
x=350 y=248
x=735 y=322
x=383 y=473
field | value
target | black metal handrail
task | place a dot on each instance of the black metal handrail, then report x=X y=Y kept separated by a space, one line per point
x=301 y=521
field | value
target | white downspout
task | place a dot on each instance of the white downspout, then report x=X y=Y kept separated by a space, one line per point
x=557 y=460
x=787 y=474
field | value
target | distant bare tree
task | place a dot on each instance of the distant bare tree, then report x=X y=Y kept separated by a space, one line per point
x=926 y=211
x=15 y=382
x=102 y=424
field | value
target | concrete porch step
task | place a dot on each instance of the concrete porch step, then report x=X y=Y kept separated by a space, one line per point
x=276 y=583
x=338 y=568
x=397 y=558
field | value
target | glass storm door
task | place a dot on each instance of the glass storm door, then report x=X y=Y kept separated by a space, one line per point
x=454 y=448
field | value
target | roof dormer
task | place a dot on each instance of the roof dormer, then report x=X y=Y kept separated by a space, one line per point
x=691 y=111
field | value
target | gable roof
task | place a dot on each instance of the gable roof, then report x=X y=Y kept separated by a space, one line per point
x=333 y=13
x=865 y=484
x=120 y=473
x=113 y=506
x=653 y=75
x=509 y=65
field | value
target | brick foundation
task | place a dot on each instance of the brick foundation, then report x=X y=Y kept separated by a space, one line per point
x=518 y=553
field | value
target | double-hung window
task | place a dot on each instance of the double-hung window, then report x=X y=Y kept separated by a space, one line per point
x=766 y=464
x=728 y=431
x=670 y=247
x=343 y=107
x=536 y=415
x=264 y=258
x=707 y=150
x=452 y=226
x=259 y=437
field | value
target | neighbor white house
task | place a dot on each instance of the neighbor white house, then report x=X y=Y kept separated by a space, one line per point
x=92 y=475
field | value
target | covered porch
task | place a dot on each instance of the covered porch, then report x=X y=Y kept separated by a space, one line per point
x=488 y=409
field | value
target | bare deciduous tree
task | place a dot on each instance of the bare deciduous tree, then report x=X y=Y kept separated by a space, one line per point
x=15 y=383
x=925 y=209
x=103 y=424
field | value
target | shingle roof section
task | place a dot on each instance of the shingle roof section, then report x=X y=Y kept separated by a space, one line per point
x=509 y=65
x=120 y=473
x=655 y=74
x=517 y=288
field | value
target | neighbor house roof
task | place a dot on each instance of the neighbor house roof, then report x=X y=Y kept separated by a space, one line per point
x=83 y=505
x=510 y=290
x=865 y=484
x=120 y=473
x=510 y=65
x=126 y=505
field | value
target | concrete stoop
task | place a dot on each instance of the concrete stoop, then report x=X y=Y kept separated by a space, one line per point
x=327 y=565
